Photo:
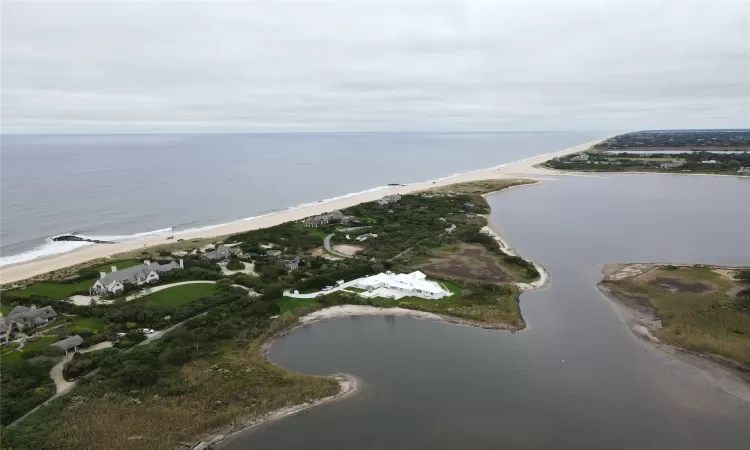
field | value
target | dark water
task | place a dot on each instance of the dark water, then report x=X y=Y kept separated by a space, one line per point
x=438 y=386
x=117 y=186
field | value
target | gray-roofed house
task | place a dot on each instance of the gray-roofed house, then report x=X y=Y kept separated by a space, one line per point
x=148 y=272
x=325 y=219
x=22 y=317
x=4 y=333
x=222 y=253
x=71 y=343
x=292 y=264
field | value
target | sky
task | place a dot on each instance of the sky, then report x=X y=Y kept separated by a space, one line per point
x=351 y=65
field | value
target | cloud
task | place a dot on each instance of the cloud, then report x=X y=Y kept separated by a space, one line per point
x=353 y=65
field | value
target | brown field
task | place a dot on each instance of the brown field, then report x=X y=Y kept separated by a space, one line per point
x=675 y=285
x=468 y=262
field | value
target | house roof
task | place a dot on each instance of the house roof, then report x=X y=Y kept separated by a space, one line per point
x=32 y=314
x=135 y=272
x=413 y=281
x=221 y=251
x=71 y=342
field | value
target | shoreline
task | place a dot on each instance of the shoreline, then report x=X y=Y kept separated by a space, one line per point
x=641 y=320
x=519 y=169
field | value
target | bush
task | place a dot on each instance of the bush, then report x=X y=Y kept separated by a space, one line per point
x=235 y=264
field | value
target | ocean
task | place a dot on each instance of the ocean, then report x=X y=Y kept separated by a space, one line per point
x=120 y=187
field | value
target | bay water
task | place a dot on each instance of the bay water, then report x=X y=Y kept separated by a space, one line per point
x=576 y=378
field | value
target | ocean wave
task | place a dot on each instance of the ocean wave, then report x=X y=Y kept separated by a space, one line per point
x=50 y=247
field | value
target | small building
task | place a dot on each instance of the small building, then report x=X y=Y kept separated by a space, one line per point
x=672 y=164
x=710 y=161
x=71 y=343
x=291 y=264
x=364 y=237
x=222 y=253
x=580 y=158
x=389 y=199
x=148 y=272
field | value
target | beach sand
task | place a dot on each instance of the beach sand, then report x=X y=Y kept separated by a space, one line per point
x=519 y=169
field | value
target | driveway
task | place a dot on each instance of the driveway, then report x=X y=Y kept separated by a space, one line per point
x=327 y=245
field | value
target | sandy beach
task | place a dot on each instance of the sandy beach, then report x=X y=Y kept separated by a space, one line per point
x=519 y=169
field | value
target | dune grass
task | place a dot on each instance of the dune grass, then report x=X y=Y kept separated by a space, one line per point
x=291 y=304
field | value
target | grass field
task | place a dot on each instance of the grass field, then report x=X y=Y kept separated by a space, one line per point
x=318 y=232
x=53 y=290
x=5 y=309
x=697 y=307
x=175 y=296
x=87 y=323
x=36 y=344
x=290 y=304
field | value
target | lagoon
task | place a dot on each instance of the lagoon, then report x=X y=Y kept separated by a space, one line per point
x=576 y=377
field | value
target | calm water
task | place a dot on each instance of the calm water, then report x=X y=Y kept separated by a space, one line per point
x=576 y=378
x=117 y=186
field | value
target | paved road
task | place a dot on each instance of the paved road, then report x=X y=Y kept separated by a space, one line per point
x=327 y=245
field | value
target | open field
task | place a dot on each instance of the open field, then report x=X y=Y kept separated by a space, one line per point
x=86 y=323
x=465 y=261
x=175 y=296
x=698 y=307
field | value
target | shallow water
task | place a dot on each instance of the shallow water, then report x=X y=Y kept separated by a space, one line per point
x=576 y=378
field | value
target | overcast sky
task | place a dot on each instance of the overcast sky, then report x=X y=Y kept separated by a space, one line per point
x=352 y=65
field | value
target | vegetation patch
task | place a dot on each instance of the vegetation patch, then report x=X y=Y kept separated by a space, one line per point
x=175 y=296
x=701 y=308
x=468 y=262
x=54 y=290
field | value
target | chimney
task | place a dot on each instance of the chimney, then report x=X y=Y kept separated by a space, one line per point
x=102 y=274
x=181 y=264
x=114 y=268
x=146 y=262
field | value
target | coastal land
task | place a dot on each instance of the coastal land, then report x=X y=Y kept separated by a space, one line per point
x=140 y=388
x=704 y=310
x=713 y=152
x=103 y=252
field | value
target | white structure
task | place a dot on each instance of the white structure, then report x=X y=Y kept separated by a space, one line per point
x=147 y=272
x=580 y=158
x=389 y=199
x=400 y=285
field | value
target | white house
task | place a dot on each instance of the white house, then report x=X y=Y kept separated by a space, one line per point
x=148 y=272
x=401 y=285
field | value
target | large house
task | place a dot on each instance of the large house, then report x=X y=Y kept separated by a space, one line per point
x=672 y=164
x=222 y=253
x=744 y=170
x=400 y=285
x=24 y=317
x=389 y=199
x=325 y=219
x=148 y=272
x=580 y=158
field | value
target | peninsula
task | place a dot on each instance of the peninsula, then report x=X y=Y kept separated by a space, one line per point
x=145 y=347
x=717 y=152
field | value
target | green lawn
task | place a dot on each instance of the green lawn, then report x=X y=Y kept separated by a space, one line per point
x=54 y=290
x=37 y=344
x=175 y=296
x=5 y=309
x=124 y=264
x=317 y=232
x=290 y=304
x=87 y=323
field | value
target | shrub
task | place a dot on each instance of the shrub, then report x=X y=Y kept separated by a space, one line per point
x=235 y=264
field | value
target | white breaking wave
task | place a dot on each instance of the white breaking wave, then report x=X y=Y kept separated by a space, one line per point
x=51 y=247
